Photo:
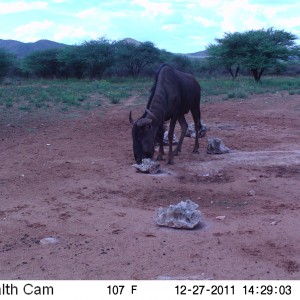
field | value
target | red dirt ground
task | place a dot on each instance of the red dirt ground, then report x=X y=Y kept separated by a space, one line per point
x=71 y=179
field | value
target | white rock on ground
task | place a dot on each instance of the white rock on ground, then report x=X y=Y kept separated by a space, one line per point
x=166 y=139
x=191 y=132
x=148 y=166
x=183 y=215
x=48 y=240
x=216 y=146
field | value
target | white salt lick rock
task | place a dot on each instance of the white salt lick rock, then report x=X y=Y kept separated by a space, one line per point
x=148 y=166
x=216 y=146
x=183 y=215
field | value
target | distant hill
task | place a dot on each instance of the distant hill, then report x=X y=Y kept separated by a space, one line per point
x=131 y=41
x=199 y=54
x=21 y=49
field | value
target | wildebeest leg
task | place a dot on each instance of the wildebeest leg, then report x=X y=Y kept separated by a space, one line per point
x=160 y=138
x=160 y=152
x=170 y=138
x=184 y=126
x=196 y=117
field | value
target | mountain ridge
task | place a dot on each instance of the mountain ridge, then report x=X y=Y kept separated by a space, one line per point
x=21 y=49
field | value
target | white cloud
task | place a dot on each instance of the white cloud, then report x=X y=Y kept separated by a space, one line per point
x=211 y=3
x=95 y=13
x=46 y=29
x=178 y=25
x=205 y=22
x=63 y=33
x=20 y=6
x=287 y=23
x=32 y=31
x=88 y=13
x=241 y=15
x=169 y=27
x=153 y=9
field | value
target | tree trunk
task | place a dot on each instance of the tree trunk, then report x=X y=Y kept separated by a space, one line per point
x=230 y=71
x=237 y=71
x=233 y=74
x=257 y=73
x=261 y=72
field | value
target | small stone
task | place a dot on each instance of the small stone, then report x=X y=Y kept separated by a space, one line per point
x=252 y=179
x=216 y=146
x=251 y=193
x=191 y=132
x=274 y=223
x=148 y=166
x=220 y=218
x=48 y=240
x=183 y=215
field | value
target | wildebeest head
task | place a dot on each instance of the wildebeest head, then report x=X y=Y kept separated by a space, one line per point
x=143 y=138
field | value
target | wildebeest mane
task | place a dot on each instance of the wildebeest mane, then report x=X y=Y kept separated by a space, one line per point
x=153 y=88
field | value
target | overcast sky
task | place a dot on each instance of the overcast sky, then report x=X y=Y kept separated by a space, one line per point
x=178 y=26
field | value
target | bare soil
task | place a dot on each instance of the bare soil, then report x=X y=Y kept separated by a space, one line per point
x=71 y=179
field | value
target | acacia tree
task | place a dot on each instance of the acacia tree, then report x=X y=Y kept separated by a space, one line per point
x=134 y=57
x=89 y=59
x=255 y=50
x=72 y=62
x=98 y=56
x=6 y=61
x=42 y=63
x=264 y=48
x=227 y=53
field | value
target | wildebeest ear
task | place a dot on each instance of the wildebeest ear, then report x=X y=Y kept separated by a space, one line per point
x=143 y=121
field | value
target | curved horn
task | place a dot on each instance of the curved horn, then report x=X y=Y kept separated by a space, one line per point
x=130 y=118
x=151 y=114
x=143 y=121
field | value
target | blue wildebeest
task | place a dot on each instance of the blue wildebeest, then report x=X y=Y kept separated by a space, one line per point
x=173 y=94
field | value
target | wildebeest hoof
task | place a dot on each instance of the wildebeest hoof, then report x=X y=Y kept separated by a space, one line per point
x=170 y=162
x=196 y=151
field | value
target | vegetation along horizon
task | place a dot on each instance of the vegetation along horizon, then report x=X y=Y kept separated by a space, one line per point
x=101 y=71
